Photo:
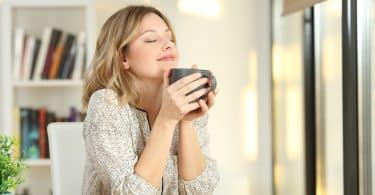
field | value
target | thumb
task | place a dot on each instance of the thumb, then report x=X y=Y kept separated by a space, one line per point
x=166 y=77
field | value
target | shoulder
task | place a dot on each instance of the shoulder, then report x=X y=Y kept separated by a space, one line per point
x=106 y=96
x=104 y=102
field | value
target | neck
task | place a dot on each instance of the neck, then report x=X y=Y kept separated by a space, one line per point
x=150 y=93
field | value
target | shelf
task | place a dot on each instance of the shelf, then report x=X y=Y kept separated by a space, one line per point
x=34 y=16
x=38 y=162
x=48 y=83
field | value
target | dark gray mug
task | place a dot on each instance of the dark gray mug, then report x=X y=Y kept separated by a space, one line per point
x=178 y=73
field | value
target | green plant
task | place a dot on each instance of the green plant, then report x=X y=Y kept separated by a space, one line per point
x=10 y=168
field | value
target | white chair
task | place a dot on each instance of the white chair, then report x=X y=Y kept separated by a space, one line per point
x=67 y=153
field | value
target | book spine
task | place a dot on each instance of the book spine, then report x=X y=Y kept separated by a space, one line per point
x=23 y=61
x=42 y=54
x=50 y=117
x=35 y=58
x=43 y=133
x=17 y=132
x=65 y=57
x=55 y=37
x=80 y=59
x=28 y=57
x=72 y=60
x=57 y=56
x=24 y=132
x=33 y=135
x=17 y=55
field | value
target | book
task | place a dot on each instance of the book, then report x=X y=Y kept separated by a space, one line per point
x=23 y=60
x=42 y=53
x=17 y=52
x=33 y=129
x=73 y=115
x=80 y=61
x=35 y=57
x=71 y=62
x=65 y=61
x=24 y=120
x=55 y=37
x=33 y=135
x=43 y=145
x=28 y=58
x=50 y=117
x=57 y=56
x=16 y=132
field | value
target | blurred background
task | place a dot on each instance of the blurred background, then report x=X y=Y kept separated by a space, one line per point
x=295 y=108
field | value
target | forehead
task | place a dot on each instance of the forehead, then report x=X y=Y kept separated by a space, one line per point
x=152 y=21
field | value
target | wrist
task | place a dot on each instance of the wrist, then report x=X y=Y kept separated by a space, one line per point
x=167 y=123
x=186 y=124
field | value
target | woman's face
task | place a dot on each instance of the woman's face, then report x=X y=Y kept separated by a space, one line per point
x=152 y=51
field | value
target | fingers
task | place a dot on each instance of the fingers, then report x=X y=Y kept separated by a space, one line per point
x=203 y=105
x=190 y=107
x=193 y=85
x=196 y=95
x=194 y=111
x=186 y=80
x=210 y=99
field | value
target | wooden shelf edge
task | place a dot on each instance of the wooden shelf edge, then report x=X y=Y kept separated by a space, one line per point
x=37 y=162
x=48 y=83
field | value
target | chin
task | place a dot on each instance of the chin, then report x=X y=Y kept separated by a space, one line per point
x=169 y=65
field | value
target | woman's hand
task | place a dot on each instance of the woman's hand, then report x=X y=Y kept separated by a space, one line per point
x=176 y=104
x=205 y=105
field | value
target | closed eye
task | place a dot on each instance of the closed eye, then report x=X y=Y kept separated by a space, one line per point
x=150 y=41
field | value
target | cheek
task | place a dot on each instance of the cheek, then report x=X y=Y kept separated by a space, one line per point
x=144 y=53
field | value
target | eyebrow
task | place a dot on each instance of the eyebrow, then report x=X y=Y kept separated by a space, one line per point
x=166 y=30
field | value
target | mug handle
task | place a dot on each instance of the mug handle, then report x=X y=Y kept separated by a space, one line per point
x=213 y=83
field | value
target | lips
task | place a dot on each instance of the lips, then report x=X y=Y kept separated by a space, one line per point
x=169 y=57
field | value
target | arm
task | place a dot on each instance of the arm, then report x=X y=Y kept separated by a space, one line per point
x=199 y=180
x=151 y=164
x=191 y=161
x=108 y=136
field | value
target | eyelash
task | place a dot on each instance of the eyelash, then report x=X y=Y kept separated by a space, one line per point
x=153 y=41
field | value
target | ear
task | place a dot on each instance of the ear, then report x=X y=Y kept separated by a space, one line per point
x=125 y=65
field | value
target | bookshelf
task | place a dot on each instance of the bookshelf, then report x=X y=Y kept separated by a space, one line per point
x=57 y=95
x=52 y=83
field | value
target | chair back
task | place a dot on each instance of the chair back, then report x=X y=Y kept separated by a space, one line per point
x=67 y=153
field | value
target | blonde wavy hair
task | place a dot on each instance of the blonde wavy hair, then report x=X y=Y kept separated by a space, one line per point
x=106 y=70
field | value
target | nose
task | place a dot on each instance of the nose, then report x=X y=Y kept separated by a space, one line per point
x=168 y=45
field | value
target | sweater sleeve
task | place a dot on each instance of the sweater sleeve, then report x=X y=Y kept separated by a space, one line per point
x=207 y=181
x=109 y=148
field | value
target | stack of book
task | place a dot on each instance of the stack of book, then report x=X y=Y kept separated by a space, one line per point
x=57 y=55
x=30 y=130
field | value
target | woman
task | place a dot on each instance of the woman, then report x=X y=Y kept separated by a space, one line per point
x=142 y=135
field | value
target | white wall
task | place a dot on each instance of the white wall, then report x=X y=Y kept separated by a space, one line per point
x=232 y=45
